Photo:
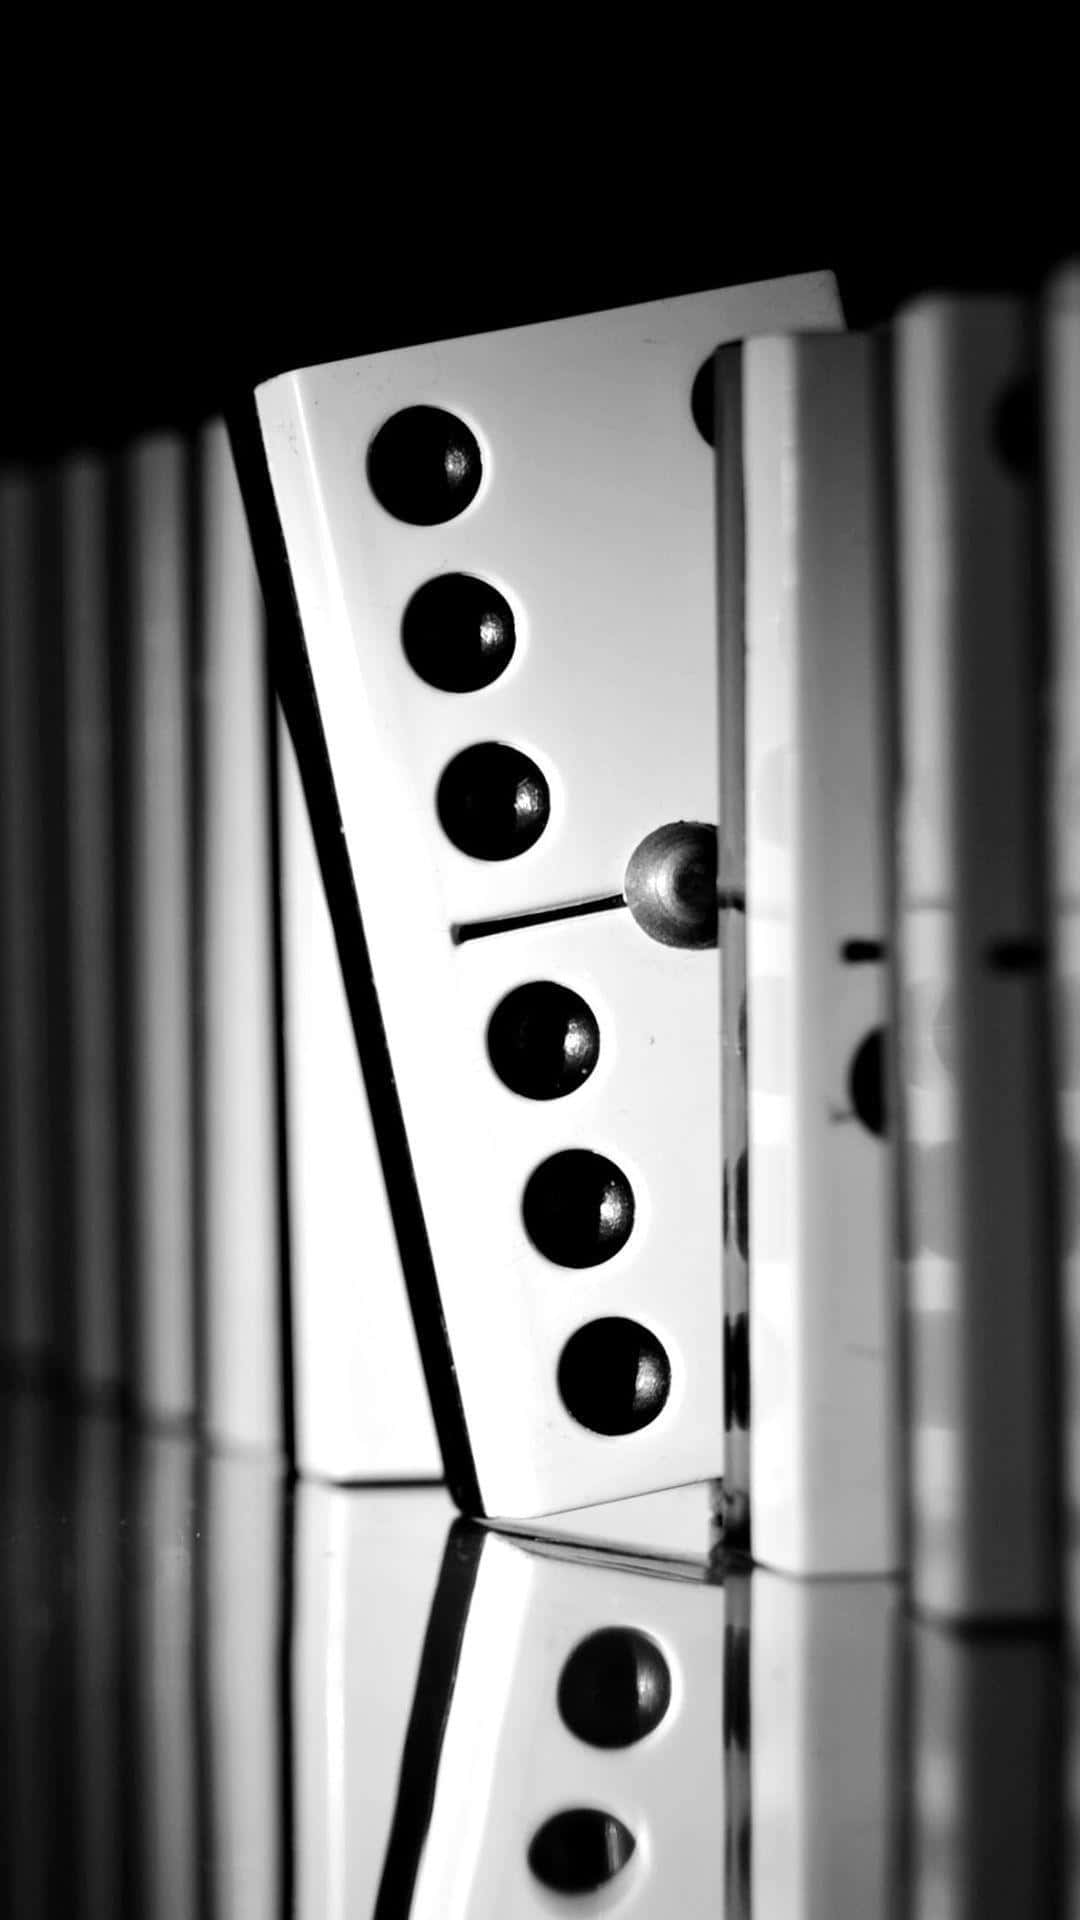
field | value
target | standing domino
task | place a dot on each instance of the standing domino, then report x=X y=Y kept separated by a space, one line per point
x=982 y=1466
x=803 y=528
x=500 y=553
x=157 y=958
x=238 y=1125
x=1061 y=436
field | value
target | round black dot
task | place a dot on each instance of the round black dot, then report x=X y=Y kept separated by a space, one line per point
x=615 y=1688
x=866 y=1082
x=578 y=1208
x=703 y=400
x=543 y=1040
x=493 y=802
x=458 y=633
x=424 y=466
x=580 y=1850
x=614 y=1376
x=1014 y=426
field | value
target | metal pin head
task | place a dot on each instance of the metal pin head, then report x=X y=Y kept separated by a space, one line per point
x=670 y=884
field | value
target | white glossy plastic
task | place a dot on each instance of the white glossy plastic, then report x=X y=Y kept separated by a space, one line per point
x=824 y=1331
x=594 y=518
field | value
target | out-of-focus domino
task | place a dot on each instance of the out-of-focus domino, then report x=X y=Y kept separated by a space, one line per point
x=164 y=1845
x=535 y=507
x=982 y=1476
x=242 y=1374
x=808 y=1199
x=365 y=1571
x=28 y=1308
x=95 y=1270
x=96 y=1599
x=982 y=1785
x=824 y=1743
x=157 y=953
x=247 y=1582
x=571 y=1736
x=1061 y=443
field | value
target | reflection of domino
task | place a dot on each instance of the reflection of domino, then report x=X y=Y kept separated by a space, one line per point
x=974 y=1066
x=1061 y=432
x=571 y=1738
x=365 y=1569
x=500 y=552
x=983 y=1732
x=814 y=1334
x=822 y=1736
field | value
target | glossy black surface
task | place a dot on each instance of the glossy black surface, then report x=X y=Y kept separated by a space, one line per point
x=224 y=1696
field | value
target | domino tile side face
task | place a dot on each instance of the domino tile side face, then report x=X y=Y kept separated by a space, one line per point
x=594 y=519
x=823 y=1331
x=982 y=1420
x=158 y=907
x=95 y=1277
x=1061 y=420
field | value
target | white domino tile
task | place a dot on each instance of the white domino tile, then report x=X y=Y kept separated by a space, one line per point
x=1061 y=434
x=980 y=1293
x=95 y=1275
x=594 y=519
x=823 y=1326
x=238 y=1118
x=27 y=1321
x=157 y=920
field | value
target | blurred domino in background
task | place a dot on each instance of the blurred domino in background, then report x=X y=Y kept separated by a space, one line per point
x=975 y=1120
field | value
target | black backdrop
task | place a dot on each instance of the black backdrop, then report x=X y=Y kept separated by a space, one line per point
x=155 y=259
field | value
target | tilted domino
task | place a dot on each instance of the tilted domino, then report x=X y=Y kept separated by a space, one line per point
x=980 y=1283
x=813 y=1334
x=1061 y=473
x=574 y=1239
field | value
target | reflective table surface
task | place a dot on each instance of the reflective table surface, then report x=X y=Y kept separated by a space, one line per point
x=227 y=1695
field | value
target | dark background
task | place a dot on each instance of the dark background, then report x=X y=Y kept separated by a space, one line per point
x=158 y=257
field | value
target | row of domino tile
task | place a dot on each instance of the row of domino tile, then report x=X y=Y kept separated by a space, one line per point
x=904 y=513
x=222 y=1700
x=894 y=784
x=160 y=895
